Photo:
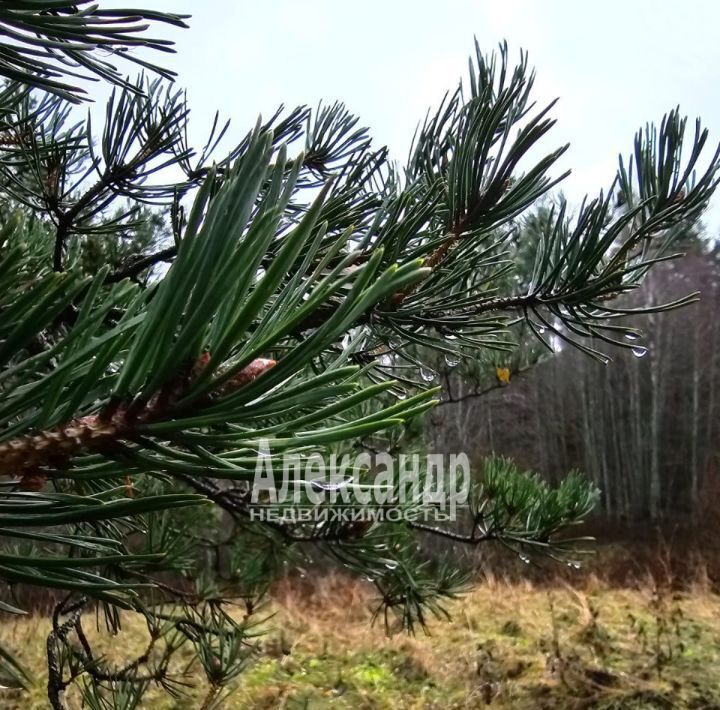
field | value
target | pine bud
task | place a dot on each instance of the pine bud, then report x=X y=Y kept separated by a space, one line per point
x=257 y=367
x=201 y=363
x=679 y=197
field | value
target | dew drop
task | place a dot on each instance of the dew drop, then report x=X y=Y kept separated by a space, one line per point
x=630 y=335
x=525 y=559
x=323 y=484
x=400 y=394
x=639 y=351
x=427 y=374
x=541 y=329
x=452 y=360
x=574 y=565
x=390 y=564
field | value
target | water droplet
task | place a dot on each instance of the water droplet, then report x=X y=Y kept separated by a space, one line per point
x=427 y=374
x=630 y=335
x=451 y=337
x=452 y=360
x=541 y=329
x=574 y=564
x=639 y=351
x=400 y=394
x=391 y=564
x=525 y=559
x=325 y=484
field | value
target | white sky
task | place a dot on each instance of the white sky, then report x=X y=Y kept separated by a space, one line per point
x=615 y=64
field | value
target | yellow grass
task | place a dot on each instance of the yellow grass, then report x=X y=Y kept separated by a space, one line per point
x=509 y=645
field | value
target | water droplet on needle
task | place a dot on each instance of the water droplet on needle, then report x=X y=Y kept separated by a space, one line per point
x=452 y=360
x=427 y=374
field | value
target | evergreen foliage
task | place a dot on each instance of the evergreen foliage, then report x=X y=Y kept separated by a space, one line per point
x=310 y=285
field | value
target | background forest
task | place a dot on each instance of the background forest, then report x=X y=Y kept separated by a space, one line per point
x=644 y=427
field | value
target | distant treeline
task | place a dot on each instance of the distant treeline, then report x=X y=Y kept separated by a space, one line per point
x=644 y=428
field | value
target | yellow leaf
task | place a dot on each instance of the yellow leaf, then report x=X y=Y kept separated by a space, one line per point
x=503 y=375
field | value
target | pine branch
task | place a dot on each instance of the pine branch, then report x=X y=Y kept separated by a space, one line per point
x=284 y=273
x=35 y=456
x=142 y=263
x=479 y=393
x=112 y=177
x=48 y=39
x=453 y=536
x=57 y=636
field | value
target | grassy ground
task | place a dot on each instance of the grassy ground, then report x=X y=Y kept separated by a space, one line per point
x=508 y=645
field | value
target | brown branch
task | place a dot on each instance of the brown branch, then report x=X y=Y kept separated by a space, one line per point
x=111 y=176
x=56 y=685
x=508 y=303
x=472 y=539
x=90 y=664
x=482 y=392
x=232 y=502
x=139 y=264
x=34 y=456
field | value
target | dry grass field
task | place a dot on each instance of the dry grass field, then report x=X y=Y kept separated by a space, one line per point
x=508 y=645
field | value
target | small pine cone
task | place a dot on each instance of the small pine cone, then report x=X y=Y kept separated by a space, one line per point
x=27 y=453
x=257 y=367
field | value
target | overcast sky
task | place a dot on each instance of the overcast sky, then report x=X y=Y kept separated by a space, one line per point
x=614 y=65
